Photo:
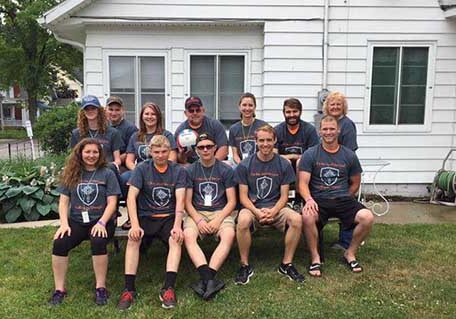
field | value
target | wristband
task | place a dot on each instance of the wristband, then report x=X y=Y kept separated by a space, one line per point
x=100 y=222
x=197 y=223
x=180 y=212
x=309 y=199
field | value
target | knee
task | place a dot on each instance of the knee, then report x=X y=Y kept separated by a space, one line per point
x=99 y=245
x=227 y=235
x=190 y=236
x=308 y=220
x=133 y=244
x=244 y=220
x=60 y=247
x=295 y=221
x=365 y=217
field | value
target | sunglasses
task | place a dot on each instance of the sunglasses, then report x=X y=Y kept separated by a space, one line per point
x=205 y=147
x=197 y=110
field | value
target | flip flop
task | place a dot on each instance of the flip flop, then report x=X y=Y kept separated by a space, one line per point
x=352 y=265
x=314 y=267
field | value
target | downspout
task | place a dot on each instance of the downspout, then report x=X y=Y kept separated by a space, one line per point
x=70 y=42
x=324 y=91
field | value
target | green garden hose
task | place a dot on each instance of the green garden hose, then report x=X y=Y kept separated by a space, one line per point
x=447 y=181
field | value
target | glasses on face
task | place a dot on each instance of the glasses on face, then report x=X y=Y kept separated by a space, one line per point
x=205 y=147
x=196 y=110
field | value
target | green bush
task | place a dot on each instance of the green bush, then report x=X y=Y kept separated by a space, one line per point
x=28 y=189
x=53 y=128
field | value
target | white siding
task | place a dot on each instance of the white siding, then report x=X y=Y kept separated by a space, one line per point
x=285 y=59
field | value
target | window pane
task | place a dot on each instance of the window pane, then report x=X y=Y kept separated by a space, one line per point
x=129 y=104
x=413 y=85
x=384 y=85
x=158 y=99
x=122 y=74
x=153 y=82
x=231 y=86
x=202 y=81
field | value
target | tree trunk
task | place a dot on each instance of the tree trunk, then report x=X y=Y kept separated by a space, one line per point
x=32 y=102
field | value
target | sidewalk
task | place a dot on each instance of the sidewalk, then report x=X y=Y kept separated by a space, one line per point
x=400 y=213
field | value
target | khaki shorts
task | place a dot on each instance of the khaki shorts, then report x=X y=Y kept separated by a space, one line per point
x=208 y=216
x=279 y=222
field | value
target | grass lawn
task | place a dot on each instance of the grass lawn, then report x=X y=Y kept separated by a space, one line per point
x=410 y=272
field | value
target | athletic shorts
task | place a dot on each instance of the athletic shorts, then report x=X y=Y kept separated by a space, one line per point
x=344 y=208
x=208 y=216
x=279 y=222
x=157 y=227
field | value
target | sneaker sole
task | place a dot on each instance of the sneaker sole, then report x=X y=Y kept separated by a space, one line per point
x=288 y=276
x=244 y=283
x=165 y=306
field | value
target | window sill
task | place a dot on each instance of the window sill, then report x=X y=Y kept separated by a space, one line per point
x=403 y=128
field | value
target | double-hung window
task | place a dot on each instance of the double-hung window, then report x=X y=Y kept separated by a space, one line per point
x=399 y=86
x=137 y=80
x=218 y=80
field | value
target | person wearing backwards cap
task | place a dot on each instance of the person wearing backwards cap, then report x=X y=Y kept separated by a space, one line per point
x=92 y=123
x=210 y=200
x=199 y=122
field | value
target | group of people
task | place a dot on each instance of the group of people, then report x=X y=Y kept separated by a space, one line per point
x=181 y=195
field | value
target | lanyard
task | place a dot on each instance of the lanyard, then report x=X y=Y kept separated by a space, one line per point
x=92 y=135
x=90 y=180
x=212 y=171
x=248 y=133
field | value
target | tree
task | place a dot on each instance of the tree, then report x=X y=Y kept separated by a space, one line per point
x=29 y=54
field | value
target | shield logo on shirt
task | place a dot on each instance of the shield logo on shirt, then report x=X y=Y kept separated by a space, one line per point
x=329 y=175
x=264 y=186
x=247 y=147
x=161 y=196
x=87 y=193
x=208 y=188
x=143 y=152
x=293 y=150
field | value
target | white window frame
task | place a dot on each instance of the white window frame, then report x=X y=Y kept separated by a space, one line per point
x=245 y=53
x=137 y=54
x=412 y=128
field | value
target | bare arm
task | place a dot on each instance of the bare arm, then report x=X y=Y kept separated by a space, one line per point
x=355 y=182
x=246 y=202
x=99 y=229
x=236 y=157
x=130 y=161
x=311 y=207
x=282 y=200
x=116 y=155
x=64 y=204
x=222 y=153
x=135 y=232
x=172 y=156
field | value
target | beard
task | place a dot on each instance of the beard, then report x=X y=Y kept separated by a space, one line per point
x=292 y=120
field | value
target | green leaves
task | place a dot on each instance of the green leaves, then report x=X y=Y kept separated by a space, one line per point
x=13 y=214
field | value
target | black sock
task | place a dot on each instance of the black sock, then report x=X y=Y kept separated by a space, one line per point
x=283 y=266
x=170 y=279
x=130 y=282
x=205 y=272
x=213 y=272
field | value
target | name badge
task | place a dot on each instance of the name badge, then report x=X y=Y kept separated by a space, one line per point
x=245 y=155
x=207 y=200
x=85 y=216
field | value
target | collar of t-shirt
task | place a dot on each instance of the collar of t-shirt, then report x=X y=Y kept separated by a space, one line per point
x=294 y=130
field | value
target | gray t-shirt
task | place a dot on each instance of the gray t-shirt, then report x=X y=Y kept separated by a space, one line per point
x=243 y=137
x=126 y=129
x=264 y=179
x=157 y=193
x=141 y=149
x=110 y=141
x=330 y=172
x=209 y=125
x=91 y=193
x=210 y=181
x=347 y=135
x=297 y=143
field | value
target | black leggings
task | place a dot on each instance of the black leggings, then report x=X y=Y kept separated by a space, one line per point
x=79 y=233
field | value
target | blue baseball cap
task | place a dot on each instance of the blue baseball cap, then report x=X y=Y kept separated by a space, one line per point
x=90 y=100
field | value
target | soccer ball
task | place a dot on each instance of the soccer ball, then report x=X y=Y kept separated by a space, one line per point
x=187 y=138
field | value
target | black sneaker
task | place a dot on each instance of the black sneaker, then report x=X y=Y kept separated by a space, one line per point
x=212 y=288
x=291 y=272
x=57 y=297
x=244 y=274
x=101 y=296
x=199 y=287
x=126 y=300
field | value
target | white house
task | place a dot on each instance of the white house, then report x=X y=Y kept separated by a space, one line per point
x=394 y=59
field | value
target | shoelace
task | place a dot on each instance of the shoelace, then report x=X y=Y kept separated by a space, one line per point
x=101 y=292
x=293 y=271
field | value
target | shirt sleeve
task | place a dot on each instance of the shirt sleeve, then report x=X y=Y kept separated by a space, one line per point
x=171 y=139
x=355 y=168
x=63 y=190
x=189 y=183
x=228 y=178
x=348 y=137
x=74 y=138
x=131 y=143
x=313 y=136
x=220 y=135
x=116 y=142
x=231 y=136
x=289 y=175
x=241 y=175
x=137 y=178
x=306 y=162
x=181 y=178
x=112 y=184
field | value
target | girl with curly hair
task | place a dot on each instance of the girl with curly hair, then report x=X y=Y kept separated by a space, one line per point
x=88 y=198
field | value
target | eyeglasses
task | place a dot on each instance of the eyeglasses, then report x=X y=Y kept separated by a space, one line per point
x=196 y=110
x=205 y=147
